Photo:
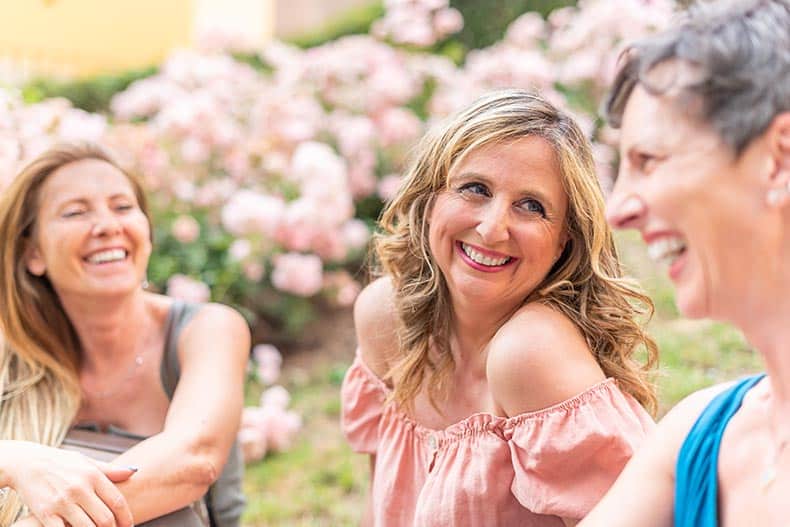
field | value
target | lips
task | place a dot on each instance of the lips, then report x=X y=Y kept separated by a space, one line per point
x=107 y=256
x=483 y=259
x=666 y=249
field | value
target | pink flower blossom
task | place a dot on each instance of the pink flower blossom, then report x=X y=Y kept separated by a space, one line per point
x=355 y=234
x=185 y=229
x=300 y=274
x=276 y=397
x=388 y=186
x=252 y=441
x=447 y=21
x=253 y=271
x=397 y=125
x=249 y=212
x=268 y=361
x=188 y=289
x=239 y=249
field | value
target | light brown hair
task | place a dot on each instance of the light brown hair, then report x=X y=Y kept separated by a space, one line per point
x=39 y=349
x=586 y=282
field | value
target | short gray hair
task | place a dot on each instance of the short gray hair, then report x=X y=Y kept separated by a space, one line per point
x=741 y=51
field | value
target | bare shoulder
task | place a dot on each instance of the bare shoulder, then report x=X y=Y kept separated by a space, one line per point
x=673 y=428
x=676 y=424
x=217 y=325
x=375 y=322
x=537 y=359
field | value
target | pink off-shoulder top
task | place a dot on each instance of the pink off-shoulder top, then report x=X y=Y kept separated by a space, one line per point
x=529 y=470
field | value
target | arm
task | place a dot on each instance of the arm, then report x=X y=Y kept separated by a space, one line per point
x=60 y=486
x=375 y=325
x=367 y=515
x=537 y=359
x=177 y=466
x=644 y=494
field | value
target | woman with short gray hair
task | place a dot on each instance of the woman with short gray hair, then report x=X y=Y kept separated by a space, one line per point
x=705 y=176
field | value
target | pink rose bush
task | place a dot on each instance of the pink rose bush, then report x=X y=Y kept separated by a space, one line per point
x=270 y=426
x=265 y=182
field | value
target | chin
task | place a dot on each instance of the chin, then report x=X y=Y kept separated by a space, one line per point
x=114 y=288
x=692 y=304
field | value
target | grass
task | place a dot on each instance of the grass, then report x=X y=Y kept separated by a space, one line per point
x=320 y=482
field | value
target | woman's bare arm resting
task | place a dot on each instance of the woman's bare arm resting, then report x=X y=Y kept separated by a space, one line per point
x=177 y=466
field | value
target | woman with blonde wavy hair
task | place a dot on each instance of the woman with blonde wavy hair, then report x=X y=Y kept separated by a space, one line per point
x=84 y=343
x=495 y=381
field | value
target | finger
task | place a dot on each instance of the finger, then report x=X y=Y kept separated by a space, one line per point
x=116 y=473
x=77 y=517
x=99 y=511
x=51 y=521
x=112 y=497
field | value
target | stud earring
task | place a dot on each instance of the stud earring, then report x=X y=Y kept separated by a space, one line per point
x=776 y=196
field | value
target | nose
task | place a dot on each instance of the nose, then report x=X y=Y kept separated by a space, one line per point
x=625 y=210
x=494 y=223
x=106 y=224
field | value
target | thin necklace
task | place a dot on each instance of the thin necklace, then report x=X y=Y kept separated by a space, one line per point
x=770 y=471
x=136 y=364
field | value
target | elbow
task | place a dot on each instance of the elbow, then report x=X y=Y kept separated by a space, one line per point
x=204 y=467
x=206 y=472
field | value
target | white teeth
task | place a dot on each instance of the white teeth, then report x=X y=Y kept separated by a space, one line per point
x=483 y=260
x=112 y=255
x=665 y=250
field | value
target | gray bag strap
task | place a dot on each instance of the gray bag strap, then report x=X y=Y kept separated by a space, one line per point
x=180 y=315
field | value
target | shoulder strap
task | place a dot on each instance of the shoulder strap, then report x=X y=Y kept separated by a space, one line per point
x=696 y=472
x=180 y=315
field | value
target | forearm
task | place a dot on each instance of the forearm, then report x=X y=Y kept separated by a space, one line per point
x=173 y=471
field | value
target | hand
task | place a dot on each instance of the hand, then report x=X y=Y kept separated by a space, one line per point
x=62 y=487
x=27 y=521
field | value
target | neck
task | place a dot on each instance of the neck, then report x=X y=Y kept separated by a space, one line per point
x=769 y=333
x=109 y=329
x=472 y=328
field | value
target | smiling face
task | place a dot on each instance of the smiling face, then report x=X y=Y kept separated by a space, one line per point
x=700 y=208
x=90 y=236
x=498 y=228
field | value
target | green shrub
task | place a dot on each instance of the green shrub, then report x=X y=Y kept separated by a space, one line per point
x=91 y=94
x=356 y=21
x=485 y=22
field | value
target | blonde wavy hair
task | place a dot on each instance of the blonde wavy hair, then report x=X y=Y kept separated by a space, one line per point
x=39 y=349
x=586 y=282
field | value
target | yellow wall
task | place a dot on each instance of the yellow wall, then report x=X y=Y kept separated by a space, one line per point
x=81 y=37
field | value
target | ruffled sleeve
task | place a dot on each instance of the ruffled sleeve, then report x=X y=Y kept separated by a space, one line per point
x=362 y=395
x=567 y=456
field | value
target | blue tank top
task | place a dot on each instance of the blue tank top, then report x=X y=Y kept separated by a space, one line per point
x=696 y=473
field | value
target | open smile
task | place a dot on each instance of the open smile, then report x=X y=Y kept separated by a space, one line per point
x=483 y=259
x=107 y=256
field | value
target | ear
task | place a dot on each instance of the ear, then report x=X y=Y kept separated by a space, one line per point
x=778 y=137
x=34 y=261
